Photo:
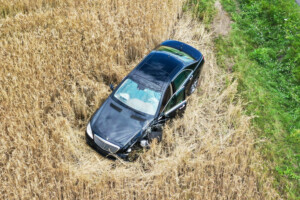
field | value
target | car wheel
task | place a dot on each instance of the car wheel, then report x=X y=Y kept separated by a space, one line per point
x=194 y=86
x=155 y=135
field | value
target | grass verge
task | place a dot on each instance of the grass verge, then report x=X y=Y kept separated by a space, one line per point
x=263 y=51
x=204 y=10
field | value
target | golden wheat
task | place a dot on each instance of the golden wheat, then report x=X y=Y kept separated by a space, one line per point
x=56 y=61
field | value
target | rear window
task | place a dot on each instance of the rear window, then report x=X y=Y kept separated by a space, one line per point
x=177 y=53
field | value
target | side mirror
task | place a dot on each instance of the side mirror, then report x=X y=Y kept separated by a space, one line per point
x=111 y=86
x=161 y=115
x=159 y=123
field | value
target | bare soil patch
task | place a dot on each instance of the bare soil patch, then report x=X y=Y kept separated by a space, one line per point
x=222 y=21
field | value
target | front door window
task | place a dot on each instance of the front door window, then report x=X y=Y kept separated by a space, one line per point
x=175 y=100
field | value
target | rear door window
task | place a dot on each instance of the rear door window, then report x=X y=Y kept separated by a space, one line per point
x=180 y=79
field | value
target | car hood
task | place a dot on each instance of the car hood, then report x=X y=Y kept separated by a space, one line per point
x=118 y=124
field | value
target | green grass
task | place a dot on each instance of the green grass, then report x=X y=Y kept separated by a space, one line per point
x=201 y=9
x=264 y=46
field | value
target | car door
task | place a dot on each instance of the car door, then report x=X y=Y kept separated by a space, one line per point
x=196 y=68
x=176 y=104
x=183 y=79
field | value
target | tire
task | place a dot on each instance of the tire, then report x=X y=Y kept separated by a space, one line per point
x=155 y=135
x=193 y=86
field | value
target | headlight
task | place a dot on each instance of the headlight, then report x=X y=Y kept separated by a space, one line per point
x=89 y=130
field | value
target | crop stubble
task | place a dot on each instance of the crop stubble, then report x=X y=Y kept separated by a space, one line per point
x=57 y=58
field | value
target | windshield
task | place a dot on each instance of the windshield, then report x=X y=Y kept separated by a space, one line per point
x=138 y=97
x=177 y=53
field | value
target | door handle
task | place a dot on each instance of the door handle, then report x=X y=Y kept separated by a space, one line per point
x=182 y=106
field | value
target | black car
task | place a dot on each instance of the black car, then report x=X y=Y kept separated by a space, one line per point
x=153 y=92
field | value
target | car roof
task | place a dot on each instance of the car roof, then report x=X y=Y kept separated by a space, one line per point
x=160 y=62
x=161 y=67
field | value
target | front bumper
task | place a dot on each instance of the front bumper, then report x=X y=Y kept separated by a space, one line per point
x=107 y=154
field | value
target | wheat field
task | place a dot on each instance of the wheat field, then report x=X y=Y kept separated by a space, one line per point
x=57 y=59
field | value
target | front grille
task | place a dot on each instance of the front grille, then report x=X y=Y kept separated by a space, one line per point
x=105 y=145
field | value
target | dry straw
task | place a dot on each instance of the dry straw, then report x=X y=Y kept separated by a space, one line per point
x=57 y=58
